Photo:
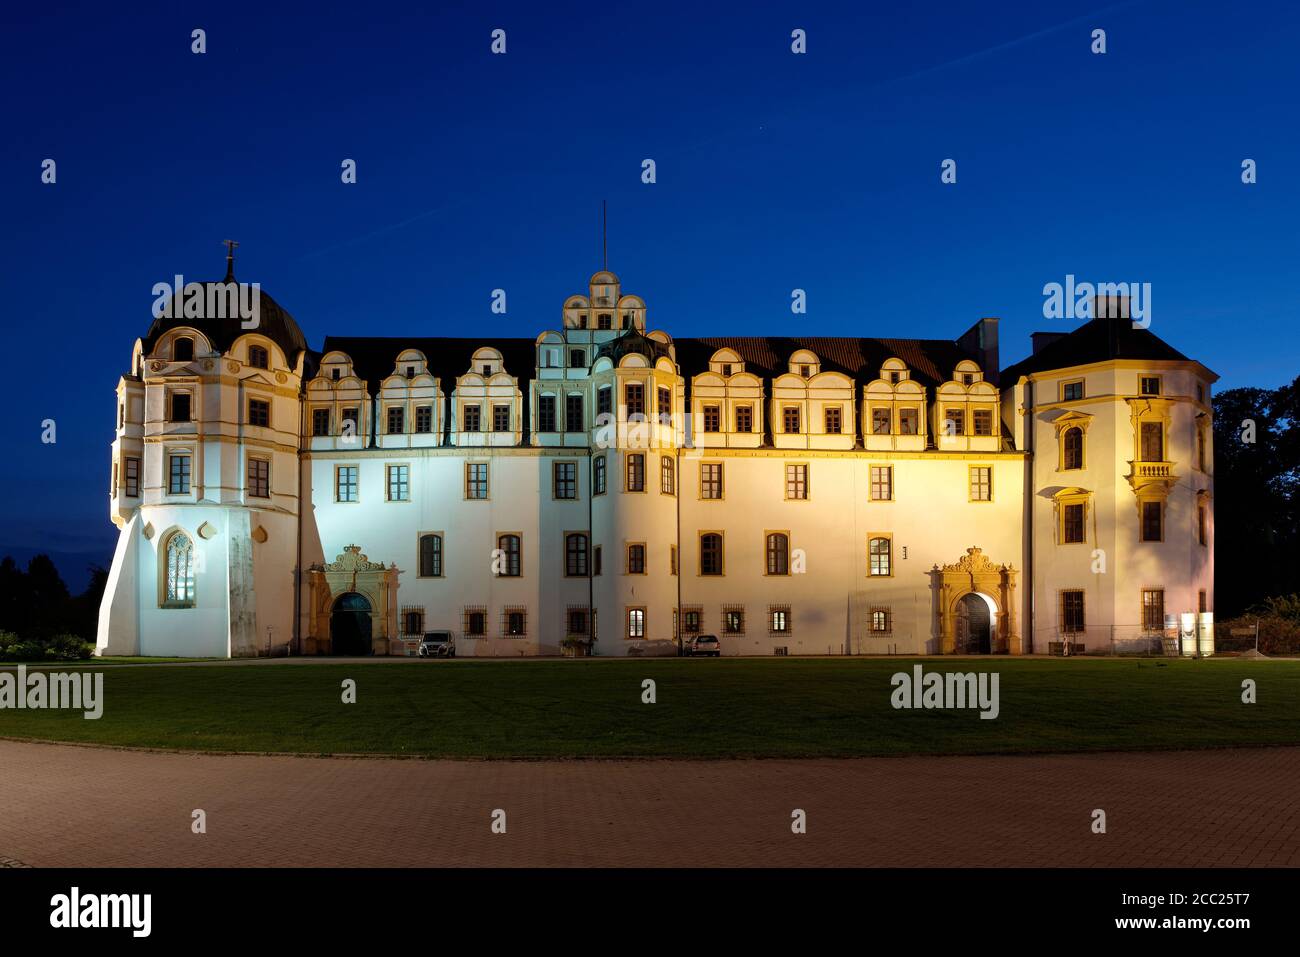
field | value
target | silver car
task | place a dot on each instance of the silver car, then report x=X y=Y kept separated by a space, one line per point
x=704 y=646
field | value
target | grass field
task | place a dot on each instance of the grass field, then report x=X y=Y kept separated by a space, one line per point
x=705 y=708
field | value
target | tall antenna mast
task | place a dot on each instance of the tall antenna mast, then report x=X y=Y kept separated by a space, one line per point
x=604 y=236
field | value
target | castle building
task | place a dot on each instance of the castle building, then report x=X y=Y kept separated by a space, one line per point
x=605 y=488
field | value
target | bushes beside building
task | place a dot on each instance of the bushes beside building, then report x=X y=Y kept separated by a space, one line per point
x=55 y=648
x=1279 y=626
x=40 y=619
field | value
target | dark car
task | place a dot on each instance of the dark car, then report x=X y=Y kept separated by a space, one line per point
x=437 y=644
x=704 y=646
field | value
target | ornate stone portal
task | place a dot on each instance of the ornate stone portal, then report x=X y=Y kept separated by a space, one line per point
x=974 y=573
x=352 y=572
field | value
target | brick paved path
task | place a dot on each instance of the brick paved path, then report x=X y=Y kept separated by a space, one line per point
x=72 y=806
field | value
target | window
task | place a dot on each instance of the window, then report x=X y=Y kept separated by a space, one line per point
x=259 y=412
x=399 y=483
x=882 y=621
x=954 y=422
x=796 y=482
x=396 y=420
x=424 y=419
x=576 y=621
x=259 y=478
x=733 y=621
x=410 y=372
x=258 y=357
x=180 y=411
x=178 y=467
x=691 y=621
x=595 y=560
x=1072 y=448
x=1200 y=448
x=711 y=554
x=345 y=483
x=778 y=554
x=726 y=369
x=546 y=413
x=635 y=472
x=879 y=421
x=805 y=371
x=880 y=557
x=573 y=417
x=487 y=370
x=598 y=475
x=672 y=559
x=1149 y=385
x=667 y=477
x=908 y=421
x=473 y=416
x=1072 y=520
x=131 y=477
x=636 y=559
x=476 y=480
x=778 y=620
x=500 y=418
x=1070 y=391
x=1153 y=610
x=575 y=555
x=712 y=418
x=1202 y=603
x=665 y=405
x=514 y=622
x=1153 y=442
x=577 y=358
x=982 y=421
x=183 y=349
x=179 y=587
x=334 y=374
x=882 y=483
x=350 y=419
x=711 y=480
x=507 y=556
x=1072 y=621
x=320 y=421
x=967 y=378
x=1152 y=521
x=981 y=483
x=744 y=418
x=604 y=321
x=832 y=415
x=1202 y=532
x=475 y=622
x=604 y=400
x=564 y=480
x=635 y=623
x=431 y=556
x=790 y=419
x=412 y=621
x=634 y=398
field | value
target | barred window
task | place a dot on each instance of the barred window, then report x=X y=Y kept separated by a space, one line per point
x=345 y=483
x=476 y=480
x=320 y=421
x=981 y=483
x=790 y=419
x=882 y=483
x=778 y=620
x=396 y=420
x=712 y=418
x=1072 y=620
x=711 y=480
x=575 y=555
x=259 y=478
x=796 y=481
x=399 y=483
x=691 y=620
x=711 y=554
x=514 y=622
x=564 y=478
x=667 y=479
x=833 y=420
x=412 y=620
x=475 y=621
x=508 y=556
x=575 y=621
x=882 y=620
x=1153 y=610
x=431 y=556
x=733 y=621
x=546 y=413
x=473 y=418
x=635 y=471
x=259 y=412
x=778 y=554
x=880 y=553
x=744 y=418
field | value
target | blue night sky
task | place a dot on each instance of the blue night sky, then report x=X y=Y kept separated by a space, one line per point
x=775 y=171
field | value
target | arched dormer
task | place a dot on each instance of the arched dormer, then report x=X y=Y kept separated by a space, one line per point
x=967 y=414
x=894 y=410
x=487 y=408
x=726 y=363
x=804 y=363
x=411 y=363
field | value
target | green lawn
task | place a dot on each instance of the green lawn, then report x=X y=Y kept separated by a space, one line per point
x=706 y=708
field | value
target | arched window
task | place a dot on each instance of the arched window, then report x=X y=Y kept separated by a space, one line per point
x=508 y=548
x=179 y=555
x=778 y=554
x=1072 y=451
x=183 y=349
x=879 y=550
x=711 y=554
x=431 y=556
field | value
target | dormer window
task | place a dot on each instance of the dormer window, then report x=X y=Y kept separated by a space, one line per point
x=410 y=372
x=334 y=374
x=726 y=369
x=895 y=377
x=183 y=349
x=258 y=357
x=487 y=370
x=805 y=371
x=967 y=378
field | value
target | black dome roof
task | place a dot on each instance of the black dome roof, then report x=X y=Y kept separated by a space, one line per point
x=634 y=341
x=274 y=322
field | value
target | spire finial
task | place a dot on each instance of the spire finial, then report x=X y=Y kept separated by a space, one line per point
x=230 y=245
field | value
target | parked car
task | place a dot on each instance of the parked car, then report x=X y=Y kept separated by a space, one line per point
x=706 y=646
x=437 y=644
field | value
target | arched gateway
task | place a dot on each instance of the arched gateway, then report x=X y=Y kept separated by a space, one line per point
x=975 y=606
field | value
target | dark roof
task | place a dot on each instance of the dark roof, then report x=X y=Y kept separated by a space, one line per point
x=374 y=358
x=274 y=322
x=1098 y=340
x=633 y=341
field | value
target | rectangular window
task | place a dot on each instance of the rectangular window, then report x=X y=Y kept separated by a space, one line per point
x=412 y=621
x=500 y=418
x=514 y=623
x=1070 y=391
x=790 y=419
x=1072 y=621
x=576 y=622
x=178 y=482
x=1153 y=442
x=982 y=421
x=180 y=411
x=712 y=418
x=320 y=421
x=711 y=480
x=573 y=417
x=796 y=482
x=1202 y=521
x=1152 y=521
x=476 y=480
x=509 y=556
x=879 y=421
x=880 y=553
x=744 y=418
x=1072 y=520
x=604 y=400
x=665 y=405
x=636 y=559
x=259 y=478
x=1202 y=602
x=733 y=621
x=564 y=479
x=908 y=421
x=258 y=357
x=833 y=416
x=1153 y=610
x=476 y=622
x=575 y=555
x=259 y=412
x=577 y=358
x=691 y=621
x=882 y=621
x=882 y=483
x=349 y=424
x=546 y=413
x=635 y=472
x=424 y=419
x=399 y=483
x=711 y=554
x=667 y=478
x=431 y=555
x=635 y=623
x=634 y=398
x=1200 y=449
x=596 y=560
x=672 y=559
x=345 y=483
x=473 y=418
x=396 y=420
x=1149 y=385
x=954 y=422
x=778 y=621
x=131 y=477
x=981 y=483
x=598 y=475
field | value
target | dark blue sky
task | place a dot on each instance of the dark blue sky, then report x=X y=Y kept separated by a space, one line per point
x=775 y=171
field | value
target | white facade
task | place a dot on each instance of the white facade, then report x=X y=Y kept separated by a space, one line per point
x=791 y=496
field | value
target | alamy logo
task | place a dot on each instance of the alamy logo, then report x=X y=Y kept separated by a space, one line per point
x=212 y=300
x=74 y=909
x=79 y=691
x=946 y=690
x=1075 y=300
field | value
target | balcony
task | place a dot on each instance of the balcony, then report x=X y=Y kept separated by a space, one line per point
x=1143 y=474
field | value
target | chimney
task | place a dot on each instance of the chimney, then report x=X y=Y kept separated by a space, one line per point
x=982 y=339
x=1041 y=340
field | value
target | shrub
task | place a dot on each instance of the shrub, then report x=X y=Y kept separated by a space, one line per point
x=57 y=648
